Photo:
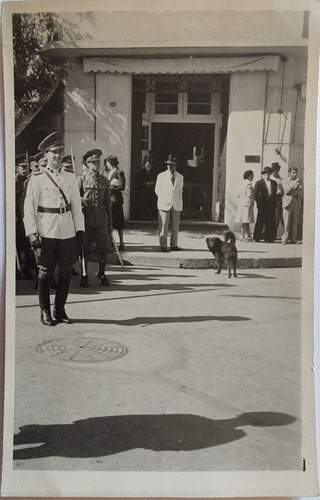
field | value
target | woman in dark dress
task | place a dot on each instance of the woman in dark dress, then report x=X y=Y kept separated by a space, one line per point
x=117 y=185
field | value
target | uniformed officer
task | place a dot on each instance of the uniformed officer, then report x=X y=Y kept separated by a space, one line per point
x=67 y=163
x=22 y=243
x=34 y=165
x=95 y=197
x=42 y=161
x=54 y=222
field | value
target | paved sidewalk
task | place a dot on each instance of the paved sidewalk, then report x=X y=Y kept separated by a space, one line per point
x=142 y=248
x=165 y=370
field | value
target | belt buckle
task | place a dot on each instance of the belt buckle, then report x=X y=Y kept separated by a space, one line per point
x=62 y=210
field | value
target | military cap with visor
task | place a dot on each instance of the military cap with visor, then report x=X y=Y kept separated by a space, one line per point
x=52 y=142
x=21 y=160
x=92 y=156
x=67 y=162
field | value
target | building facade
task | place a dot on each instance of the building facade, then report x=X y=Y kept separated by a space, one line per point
x=200 y=84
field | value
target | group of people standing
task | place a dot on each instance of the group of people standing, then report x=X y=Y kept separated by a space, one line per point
x=64 y=217
x=279 y=203
x=60 y=217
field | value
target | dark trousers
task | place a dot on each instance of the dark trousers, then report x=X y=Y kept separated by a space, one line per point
x=96 y=238
x=53 y=252
x=265 y=226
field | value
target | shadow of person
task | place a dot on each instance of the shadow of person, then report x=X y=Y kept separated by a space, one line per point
x=154 y=320
x=102 y=436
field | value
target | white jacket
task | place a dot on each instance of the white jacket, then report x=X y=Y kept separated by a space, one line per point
x=169 y=195
x=42 y=192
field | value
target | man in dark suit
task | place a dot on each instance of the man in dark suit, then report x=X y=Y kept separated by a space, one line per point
x=265 y=194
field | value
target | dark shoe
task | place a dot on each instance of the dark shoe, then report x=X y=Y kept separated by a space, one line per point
x=61 y=317
x=84 y=282
x=46 y=319
x=104 y=280
x=74 y=272
x=121 y=246
x=164 y=249
x=176 y=249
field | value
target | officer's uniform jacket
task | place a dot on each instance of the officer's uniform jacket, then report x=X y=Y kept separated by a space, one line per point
x=42 y=196
x=95 y=191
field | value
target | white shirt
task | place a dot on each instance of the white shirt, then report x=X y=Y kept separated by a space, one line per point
x=42 y=192
x=268 y=183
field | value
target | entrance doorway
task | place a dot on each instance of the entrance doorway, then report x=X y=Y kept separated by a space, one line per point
x=193 y=143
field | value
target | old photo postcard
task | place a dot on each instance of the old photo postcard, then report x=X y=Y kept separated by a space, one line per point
x=160 y=185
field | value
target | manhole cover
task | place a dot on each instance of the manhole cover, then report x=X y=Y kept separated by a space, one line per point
x=83 y=350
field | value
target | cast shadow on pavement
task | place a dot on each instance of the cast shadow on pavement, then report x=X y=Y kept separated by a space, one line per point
x=254 y=275
x=111 y=297
x=153 y=320
x=103 y=436
x=26 y=287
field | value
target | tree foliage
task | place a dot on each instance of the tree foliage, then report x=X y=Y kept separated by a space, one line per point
x=34 y=76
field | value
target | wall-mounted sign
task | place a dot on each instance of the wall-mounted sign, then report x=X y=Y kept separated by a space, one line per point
x=252 y=159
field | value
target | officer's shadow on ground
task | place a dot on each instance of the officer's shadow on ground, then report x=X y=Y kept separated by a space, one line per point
x=116 y=276
x=103 y=436
x=154 y=320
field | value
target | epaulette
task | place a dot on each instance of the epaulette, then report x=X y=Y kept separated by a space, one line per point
x=37 y=173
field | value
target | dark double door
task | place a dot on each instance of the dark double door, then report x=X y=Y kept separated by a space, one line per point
x=193 y=143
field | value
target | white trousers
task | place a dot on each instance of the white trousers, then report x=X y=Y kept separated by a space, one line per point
x=164 y=219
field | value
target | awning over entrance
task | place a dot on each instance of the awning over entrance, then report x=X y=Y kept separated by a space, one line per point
x=180 y=66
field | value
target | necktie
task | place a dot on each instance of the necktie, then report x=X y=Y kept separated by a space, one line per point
x=172 y=179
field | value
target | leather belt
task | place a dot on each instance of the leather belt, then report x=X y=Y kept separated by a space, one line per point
x=61 y=210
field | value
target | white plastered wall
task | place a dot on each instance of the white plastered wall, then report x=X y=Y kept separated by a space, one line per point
x=114 y=109
x=245 y=132
x=98 y=115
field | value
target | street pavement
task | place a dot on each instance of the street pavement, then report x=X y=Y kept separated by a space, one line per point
x=164 y=370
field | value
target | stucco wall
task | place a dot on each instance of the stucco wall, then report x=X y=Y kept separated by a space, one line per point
x=91 y=122
x=266 y=118
x=114 y=98
x=79 y=112
x=245 y=130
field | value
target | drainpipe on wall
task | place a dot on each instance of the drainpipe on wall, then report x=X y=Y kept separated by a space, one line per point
x=264 y=119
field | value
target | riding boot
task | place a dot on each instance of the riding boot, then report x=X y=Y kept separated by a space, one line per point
x=44 y=302
x=101 y=275
x=59 y=313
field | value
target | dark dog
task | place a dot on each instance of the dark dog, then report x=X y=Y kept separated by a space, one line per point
x=224 y=250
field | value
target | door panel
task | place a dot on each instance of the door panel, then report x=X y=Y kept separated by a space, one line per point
x=194 y=145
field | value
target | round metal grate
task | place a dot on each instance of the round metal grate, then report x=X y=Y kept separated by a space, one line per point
x=83 y=350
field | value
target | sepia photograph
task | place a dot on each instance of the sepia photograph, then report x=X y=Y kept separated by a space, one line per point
x=160 y=184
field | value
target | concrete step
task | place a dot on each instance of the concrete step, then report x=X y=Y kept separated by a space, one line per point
x=142 y=249
x=158 y=260
x=185 y=225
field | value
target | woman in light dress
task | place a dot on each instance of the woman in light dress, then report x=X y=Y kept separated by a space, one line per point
x=245 y=209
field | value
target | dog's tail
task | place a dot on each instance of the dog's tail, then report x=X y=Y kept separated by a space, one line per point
x=230 y=237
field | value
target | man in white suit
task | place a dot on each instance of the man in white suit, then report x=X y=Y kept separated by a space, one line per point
x=169 y=186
